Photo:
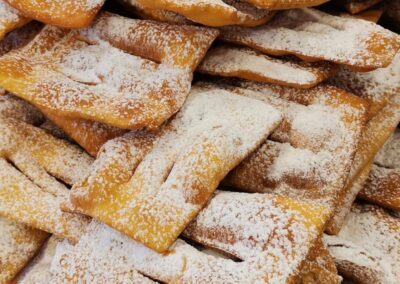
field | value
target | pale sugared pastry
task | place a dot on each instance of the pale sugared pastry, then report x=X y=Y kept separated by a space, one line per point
x=38 y=270
x=63 y=13
x=243 y=225
x=314 y=35
x=32 y=163
x=367 y=249
x=124 y=72
x=207 y=12
x=319 y=267
x=383 y=184
x=309 y=155
x=18 y=245
x=245 y=63
x=154 y=196
x=377 y=86
x=376 y=133
x=10 y=19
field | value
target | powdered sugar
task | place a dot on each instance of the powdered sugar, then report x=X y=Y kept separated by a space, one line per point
x=246 y=63
x=388 y=155
x=377 y=86
x=370 y=242
x=18 y=244
x=280 y=228
x=230 y=12
x=176 y=178
x=315 y=35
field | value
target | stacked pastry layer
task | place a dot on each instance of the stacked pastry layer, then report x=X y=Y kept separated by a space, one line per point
x=217 y=141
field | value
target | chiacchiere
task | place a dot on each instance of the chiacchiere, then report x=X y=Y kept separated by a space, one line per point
x=212 y=141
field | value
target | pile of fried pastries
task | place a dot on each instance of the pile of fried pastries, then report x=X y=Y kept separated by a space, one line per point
x=199 y=141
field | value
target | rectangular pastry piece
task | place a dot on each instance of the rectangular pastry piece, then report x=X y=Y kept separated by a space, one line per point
x=124 y=72
x=165 y=183
x=313 y=35
x=243 y=225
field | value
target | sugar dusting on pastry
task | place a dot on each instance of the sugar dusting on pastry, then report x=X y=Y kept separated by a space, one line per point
x=18 y=245
x=184 y=167
x=368 y=243
x=317 y=35
x=237 y=62
x=265 y=248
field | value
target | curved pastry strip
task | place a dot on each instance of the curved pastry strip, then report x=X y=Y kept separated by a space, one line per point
x=267 y=254
x=90 y=135
x=367 y=249
x=377 y=86
x=10 y=19
x=29 y=147
x=245 y=63
x=159 y=194
x=314 y=35
x=18 y=245
x=154 y=14
x=38 y=207
x=85 y=75
x=357 y=6
x=319 y=267
x=38 y=270
x=63 y=13
x=284 y=4
x=376 y=133
x=213 y=13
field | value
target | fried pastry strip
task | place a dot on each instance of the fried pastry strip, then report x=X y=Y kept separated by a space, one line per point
x=63 y=13
x=154 y=14
x=307 y=162
x=93 y=74
x=23 y=201
x=90 y=135
x=314 y=35
x=10 y=19
x=241 y=224
x=357 y=6
x=38 y=270
x=209 y=12
x=377 y=87
x=367 y=249
x=30 y=191
x=284 y=4
x=245 y=63
x=376 y=133
x=18 y=245
x=155 y=196
x=383 y=183
x=319 y=267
